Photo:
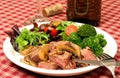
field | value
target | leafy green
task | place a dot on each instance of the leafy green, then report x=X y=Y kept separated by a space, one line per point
x=28 y=37
x=74 y=37
x=86 y=30
x=63 y=25
x=102 y=41
x=63 y=36
x=96 y=43
x=66 y=23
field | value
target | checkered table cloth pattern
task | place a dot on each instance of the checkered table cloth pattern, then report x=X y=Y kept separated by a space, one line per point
x=17 y=11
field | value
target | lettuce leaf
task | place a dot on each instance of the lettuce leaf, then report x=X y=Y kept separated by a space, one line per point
x=28 y=37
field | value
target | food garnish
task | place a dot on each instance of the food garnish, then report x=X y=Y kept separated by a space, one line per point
x=13 y=35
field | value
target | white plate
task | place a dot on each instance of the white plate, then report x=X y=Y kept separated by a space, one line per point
x=12 y=55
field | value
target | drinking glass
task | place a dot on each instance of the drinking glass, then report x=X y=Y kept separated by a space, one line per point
x=39 y=16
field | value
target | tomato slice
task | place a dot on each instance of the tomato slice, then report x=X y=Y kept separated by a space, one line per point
x=54 y=32
x=70 y=29
x=51 y=30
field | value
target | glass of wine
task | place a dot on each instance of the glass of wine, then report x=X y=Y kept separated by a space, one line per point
x=39 y=15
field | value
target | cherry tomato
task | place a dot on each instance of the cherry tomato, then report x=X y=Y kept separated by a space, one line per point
x=70 y=29
x=51 y=30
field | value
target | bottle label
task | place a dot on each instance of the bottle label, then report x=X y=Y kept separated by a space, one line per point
x=81 y=7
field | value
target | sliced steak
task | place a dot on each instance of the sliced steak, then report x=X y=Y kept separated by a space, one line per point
x=54 y=44
x=88 y=54
x=48 y=65
x=34 y=54
x=60 y=60
x=61 y=46
x=71 y=65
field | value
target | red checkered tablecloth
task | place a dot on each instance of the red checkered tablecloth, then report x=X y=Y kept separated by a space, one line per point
x=17 y=11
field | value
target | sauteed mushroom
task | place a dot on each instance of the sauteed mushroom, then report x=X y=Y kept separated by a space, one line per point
x=70 y=47
x=77 y=48
x=44 y=52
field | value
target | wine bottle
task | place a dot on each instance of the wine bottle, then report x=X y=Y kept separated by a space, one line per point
x=84 y=11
